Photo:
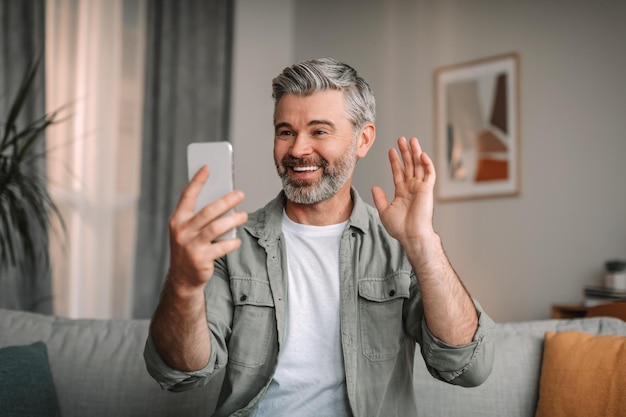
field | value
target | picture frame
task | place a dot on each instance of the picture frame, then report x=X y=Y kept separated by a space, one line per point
x=477 y=129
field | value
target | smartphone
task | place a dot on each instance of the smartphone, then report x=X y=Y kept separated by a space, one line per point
x=219 y=158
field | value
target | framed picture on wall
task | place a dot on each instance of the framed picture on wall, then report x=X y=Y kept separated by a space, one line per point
x=477 y=129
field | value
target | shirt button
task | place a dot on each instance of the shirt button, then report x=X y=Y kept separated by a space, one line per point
x=392 y=293
x=243 y=298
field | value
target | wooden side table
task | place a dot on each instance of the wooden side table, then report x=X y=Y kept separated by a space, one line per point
x=568 y=311
x=572 y=311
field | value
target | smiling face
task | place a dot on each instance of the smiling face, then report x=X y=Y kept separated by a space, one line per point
x=315 y=147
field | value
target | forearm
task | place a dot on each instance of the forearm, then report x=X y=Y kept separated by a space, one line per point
x=448 y=309
x=468 y=365
x=179 y=328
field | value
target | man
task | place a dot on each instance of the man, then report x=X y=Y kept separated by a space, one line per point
x=316 y=308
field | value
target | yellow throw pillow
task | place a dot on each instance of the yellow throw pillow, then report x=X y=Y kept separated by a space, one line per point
x=582 y=375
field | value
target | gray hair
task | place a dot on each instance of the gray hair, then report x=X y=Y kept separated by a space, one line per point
x=321 y=74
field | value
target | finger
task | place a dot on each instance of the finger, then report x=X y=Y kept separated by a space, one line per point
x=202 y=253
x=221 y=226
x=397 y=169
x=416 y=153
x=407 y=157
x=201 y=256
x=215 y=209
x=223 y=247
x=415 y=145
x=190 y=193
x=430 y=174
x=380 y=199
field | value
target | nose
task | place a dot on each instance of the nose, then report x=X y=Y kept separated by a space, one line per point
x=300 y=147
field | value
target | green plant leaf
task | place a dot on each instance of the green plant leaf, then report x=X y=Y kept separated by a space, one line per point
x=25 y=204
x=18 y=103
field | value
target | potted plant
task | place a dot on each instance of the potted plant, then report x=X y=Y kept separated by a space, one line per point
x=25 y=204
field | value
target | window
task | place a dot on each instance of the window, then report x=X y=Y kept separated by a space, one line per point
x=95 y=70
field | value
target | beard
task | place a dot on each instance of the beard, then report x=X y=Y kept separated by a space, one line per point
x=333 y=176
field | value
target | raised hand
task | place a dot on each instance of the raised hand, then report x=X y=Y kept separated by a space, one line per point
x=179 y=328
x=409 y=216
x=448 y=308
x=192 y=247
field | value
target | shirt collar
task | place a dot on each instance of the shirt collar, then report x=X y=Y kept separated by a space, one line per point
x=359 y=217
x=268 y=225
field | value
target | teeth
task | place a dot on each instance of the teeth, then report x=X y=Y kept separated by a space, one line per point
x=302 y=169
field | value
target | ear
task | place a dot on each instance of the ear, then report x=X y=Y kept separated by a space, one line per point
x=366 y=139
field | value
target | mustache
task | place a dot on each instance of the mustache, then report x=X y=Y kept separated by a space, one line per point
x=289 y=161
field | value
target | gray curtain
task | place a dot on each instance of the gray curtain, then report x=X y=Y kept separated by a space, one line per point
x=187 y=100
x=22 y=37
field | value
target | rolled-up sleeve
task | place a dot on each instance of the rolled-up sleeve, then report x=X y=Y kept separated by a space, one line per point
x=173 y=379
x=468 y=365
x=219 y=317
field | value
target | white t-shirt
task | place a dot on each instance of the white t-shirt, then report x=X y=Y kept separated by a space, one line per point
x=310 y=377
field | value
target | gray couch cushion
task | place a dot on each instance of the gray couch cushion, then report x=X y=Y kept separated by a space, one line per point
x=98 y=367
x=513 y=386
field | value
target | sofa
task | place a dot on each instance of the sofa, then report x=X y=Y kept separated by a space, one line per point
x=97 y=369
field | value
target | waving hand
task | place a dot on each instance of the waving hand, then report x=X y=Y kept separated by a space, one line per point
x=448 y=308
x=409 y=216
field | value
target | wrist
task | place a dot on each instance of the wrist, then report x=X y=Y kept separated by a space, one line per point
x=181 y=287
x=424 y=242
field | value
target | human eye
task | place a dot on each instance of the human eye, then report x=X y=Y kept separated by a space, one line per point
x=321 y=129
x=284 y=133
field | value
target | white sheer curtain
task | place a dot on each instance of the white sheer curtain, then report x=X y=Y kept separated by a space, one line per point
x=95 y=67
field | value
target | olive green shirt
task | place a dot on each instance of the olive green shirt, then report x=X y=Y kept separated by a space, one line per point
x=381 y=314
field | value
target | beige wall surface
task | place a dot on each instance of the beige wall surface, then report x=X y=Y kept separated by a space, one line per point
x=517 y=255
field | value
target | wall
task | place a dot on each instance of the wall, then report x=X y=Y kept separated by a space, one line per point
x=263 y=46
x=516 y=255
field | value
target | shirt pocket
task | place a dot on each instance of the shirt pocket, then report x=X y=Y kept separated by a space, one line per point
x=380 y=306
x=254 y=322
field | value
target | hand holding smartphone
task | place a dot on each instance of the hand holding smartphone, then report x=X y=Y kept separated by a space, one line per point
x=219 y=157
